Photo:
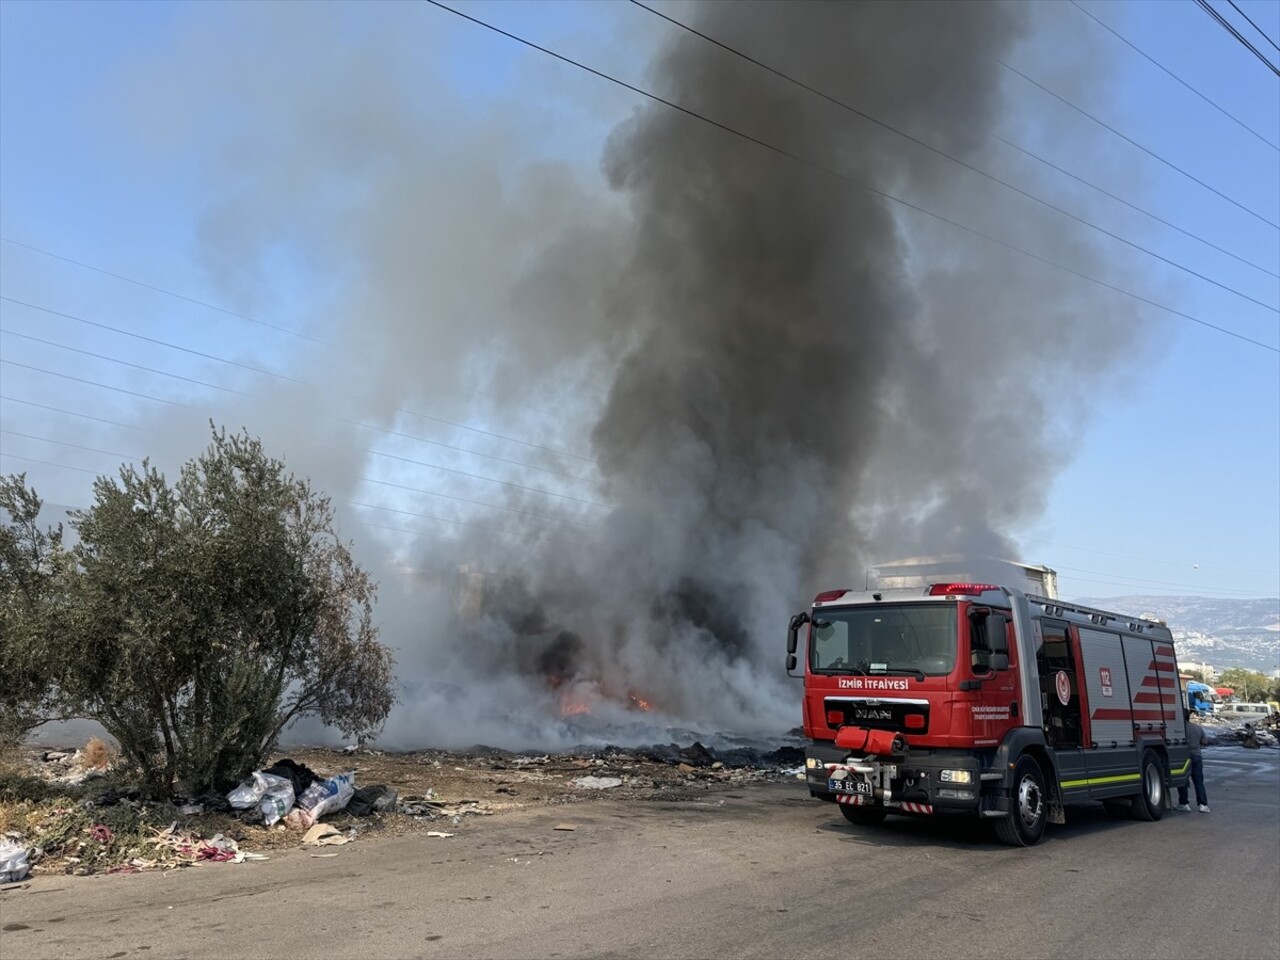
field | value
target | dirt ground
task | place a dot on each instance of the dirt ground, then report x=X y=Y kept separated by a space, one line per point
x=56 y=804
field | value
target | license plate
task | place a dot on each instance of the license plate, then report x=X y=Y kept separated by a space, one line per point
x=850 y=785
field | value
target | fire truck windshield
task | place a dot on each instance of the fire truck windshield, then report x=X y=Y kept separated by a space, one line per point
x=884 y=639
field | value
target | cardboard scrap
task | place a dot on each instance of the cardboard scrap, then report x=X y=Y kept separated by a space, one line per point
x=324 y=835
x=565 y=826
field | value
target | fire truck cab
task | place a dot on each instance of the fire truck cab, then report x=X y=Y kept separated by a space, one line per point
x=986 y=701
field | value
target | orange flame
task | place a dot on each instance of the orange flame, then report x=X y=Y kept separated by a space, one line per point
x=639 y=702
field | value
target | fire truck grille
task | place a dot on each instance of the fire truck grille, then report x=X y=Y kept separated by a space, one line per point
x=878 y=714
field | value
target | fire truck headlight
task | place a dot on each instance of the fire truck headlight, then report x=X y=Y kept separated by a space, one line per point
x=956 y=776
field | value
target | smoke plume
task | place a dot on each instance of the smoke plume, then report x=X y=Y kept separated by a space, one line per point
x=712 y=379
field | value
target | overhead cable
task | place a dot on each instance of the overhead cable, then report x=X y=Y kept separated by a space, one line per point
x=1152 y=60
x=815 y=165
x=1244 y=41
x=954 y=159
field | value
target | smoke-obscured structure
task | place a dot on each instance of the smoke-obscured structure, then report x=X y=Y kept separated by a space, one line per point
x=710 y=383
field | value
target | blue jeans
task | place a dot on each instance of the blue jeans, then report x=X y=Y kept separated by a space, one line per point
x=1197 y=778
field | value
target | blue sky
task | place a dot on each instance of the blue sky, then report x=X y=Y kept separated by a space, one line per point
x=118 y=136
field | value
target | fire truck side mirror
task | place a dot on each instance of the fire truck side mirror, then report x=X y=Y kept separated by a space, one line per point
x=997 y=632
x=798 y=621
x=791 y=662
x=999 y=661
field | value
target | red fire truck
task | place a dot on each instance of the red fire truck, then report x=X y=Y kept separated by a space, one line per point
x=986 y=701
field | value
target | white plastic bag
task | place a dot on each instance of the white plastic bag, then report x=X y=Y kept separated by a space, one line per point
x=277 y=799
x=328 y=796
x=13 y=862
x=248 y=794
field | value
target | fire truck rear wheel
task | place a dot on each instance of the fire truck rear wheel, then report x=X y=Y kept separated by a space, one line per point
x=1028 y=806
x=863 y=816
x=1149 y=804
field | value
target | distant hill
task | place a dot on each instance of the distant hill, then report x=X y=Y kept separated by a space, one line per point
x=1222 y=633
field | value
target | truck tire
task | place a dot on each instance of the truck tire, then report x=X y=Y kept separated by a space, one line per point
x=1028 y=806
x=1149 y=803
x=863 y=816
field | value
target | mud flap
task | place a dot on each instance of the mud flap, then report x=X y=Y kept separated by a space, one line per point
x=1056 y=813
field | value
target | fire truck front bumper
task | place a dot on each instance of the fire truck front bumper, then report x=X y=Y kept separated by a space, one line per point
x=916 y=782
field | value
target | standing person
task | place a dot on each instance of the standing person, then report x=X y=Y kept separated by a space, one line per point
x=1196 y=739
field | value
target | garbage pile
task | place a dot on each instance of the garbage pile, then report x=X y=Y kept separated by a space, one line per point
x=292 y=794
x=1221 y=730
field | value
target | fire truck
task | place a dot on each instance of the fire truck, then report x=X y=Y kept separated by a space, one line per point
x=986 y=701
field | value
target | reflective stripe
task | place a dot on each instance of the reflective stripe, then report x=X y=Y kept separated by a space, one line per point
x=1095 y=781
x=1182 y=769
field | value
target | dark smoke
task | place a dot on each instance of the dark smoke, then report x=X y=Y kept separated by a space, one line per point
x=783 y=376
x=803 y=371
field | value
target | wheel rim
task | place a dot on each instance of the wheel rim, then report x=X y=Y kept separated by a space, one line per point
x=1155 y=789
x=1029 y=801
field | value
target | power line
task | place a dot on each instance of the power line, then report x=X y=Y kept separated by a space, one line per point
x=211 y=306
x=1132 y=206
x=1265 y=36
x=148 y=286
x=71 y=413
x=850 y=180
x=1127 y=139
x=280 y=376
x=424 y=463
x=463 y=523
x=241 y=393
x=1161 y=66
x=400 y=486
x=94 y=383
x=954 y=159
x=1226 y=25
x=64 y=443
x=48 y=463
x=123 y=363
x=425 y=516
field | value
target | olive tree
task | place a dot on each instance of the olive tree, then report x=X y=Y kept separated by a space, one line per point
x=203 y=616
x=31 y=564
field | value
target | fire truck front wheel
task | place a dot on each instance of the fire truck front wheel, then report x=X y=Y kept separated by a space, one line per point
x=1027 y=808
x=863 y=816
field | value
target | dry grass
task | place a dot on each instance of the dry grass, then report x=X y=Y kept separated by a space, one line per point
x=97 y=755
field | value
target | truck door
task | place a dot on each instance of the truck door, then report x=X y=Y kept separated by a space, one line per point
x=1060 y=705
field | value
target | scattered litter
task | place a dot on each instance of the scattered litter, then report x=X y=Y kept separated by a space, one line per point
x=191 y=809
x=102 y=833
x=271 y=794
x=565 y=826
x=298 y=819
x=438 y=833
x=374 y=799
x=596 y=783
x=300 y=775
x=322 y=856
x=278 y=799
x=328 y=796
x=13 y=861
x=325 y=835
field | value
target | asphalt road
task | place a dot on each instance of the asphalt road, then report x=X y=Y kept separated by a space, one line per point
x=761 y=872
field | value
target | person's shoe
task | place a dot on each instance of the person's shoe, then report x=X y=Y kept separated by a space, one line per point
x=1204 y=808
x=1184 y=807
